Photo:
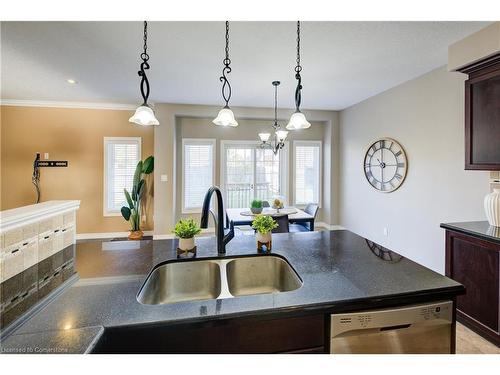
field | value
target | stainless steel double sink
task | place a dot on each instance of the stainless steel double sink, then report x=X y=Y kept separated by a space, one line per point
x=202 y=279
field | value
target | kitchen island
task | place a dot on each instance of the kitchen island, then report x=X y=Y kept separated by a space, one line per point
x=340 y=271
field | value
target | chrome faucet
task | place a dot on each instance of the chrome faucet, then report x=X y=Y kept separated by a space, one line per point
x=222 y=238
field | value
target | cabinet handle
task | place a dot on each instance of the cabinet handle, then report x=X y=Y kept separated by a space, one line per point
x=14 y=251
x=24 y=244
x=25 y=294
x=14 y=299
x=46 y=237
x=56 y=274
x=57 y=230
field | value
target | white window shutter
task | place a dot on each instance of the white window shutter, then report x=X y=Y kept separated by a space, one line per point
x=198 y=172
x=307 y=156
x=121 y=157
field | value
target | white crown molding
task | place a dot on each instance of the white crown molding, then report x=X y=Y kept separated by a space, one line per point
x=58 y=104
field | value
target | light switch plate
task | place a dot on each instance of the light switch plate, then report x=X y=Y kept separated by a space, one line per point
x=46 y=156
x=164 y=178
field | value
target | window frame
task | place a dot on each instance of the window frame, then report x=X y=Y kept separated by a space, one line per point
x=107 y=140
x=299 y=143
x=284 y=162
x=194 y=141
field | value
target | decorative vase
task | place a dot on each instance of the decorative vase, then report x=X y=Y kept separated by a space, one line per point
x=186 y=244
x=135 y=235
x=256 y=210
x=264 y=240
x=492 y=207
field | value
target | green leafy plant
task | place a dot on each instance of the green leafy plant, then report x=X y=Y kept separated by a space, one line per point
x=132 y=213
x=264 y=224
x=256 y=203
x=186 y=228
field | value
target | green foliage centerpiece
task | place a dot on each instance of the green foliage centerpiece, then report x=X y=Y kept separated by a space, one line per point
x=132 y=213
x=264 y=225
x=256 y=206
x=186 y=229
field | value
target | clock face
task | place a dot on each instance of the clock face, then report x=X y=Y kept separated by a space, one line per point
x=385 y=165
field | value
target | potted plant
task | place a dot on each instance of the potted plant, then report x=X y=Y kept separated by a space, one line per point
x=132 y=213
x=186 y=229
x=264 y=224
x=256 y=206
x=278 y=204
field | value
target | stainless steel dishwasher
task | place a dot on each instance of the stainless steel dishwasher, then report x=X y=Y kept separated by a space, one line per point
x=413 y=329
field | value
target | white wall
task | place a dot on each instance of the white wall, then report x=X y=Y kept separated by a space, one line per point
x=165 y=149
x=426 y=115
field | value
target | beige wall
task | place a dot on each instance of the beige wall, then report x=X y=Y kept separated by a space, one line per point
x=246 y=131
x=426 y=115
x=75 y=135
x=166 y=145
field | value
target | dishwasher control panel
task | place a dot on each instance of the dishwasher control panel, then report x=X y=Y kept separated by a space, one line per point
x=391 y=317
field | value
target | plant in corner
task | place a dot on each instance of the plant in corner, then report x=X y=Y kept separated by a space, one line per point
x=132 y=213
x=186 y=229
x=264 y=224
x=256 y=206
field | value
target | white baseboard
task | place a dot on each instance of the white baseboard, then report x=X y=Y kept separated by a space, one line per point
x=98 y=236
x=328 y=226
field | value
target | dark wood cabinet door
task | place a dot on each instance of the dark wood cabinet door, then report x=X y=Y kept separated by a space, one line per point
x=482 y=118
x=476 y=264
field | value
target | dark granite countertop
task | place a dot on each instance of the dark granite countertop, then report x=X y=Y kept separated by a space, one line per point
x=479 y=229
x=338 y=268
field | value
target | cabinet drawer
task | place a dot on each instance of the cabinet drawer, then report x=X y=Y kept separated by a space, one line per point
x=13 y=262
x=45 y=246
x=68 y=236
x=45 y=226
x=30 y=252
x=57 y=244
x=30 y=231
x=69 y=218
x=13 y=236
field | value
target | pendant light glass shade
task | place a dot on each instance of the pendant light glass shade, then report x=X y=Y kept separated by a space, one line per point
x=281 y=135
x=264 y=137
x=225 y=118
x=298 y=121
x=144 y=116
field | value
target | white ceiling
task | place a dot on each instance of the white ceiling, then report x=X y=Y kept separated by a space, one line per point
x=343 y=62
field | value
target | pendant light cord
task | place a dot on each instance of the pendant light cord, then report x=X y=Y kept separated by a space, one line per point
x=276 y=125
x=226 y=86
x=144 y=67
x=298 y=69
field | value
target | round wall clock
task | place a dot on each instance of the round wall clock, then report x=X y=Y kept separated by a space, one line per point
x=385 y=165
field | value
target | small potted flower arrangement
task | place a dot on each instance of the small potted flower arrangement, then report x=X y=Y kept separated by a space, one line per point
x=264 y=224
x=278 y=204
x=256 y=206
x=186 y=229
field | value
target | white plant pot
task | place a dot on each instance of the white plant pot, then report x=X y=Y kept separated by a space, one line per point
x=186 y=243
x=264 y=238
x=492 y=207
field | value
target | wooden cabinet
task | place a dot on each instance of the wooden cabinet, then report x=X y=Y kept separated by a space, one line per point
x=475 y=263
x=482 y=115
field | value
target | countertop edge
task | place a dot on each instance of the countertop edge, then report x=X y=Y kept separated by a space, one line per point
x=452 y=227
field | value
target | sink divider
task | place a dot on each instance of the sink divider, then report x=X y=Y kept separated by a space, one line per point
x=224 y=286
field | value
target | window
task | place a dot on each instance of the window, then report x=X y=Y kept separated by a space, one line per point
x=121 y=156
x=250 y=172
x=307 y=172
x=198 y=171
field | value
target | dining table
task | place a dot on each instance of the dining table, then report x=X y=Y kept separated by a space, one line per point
x=243 y=216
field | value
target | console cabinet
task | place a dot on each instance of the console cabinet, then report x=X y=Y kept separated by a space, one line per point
x=475 y=263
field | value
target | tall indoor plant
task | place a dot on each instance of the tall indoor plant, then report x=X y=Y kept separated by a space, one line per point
x=132 y=213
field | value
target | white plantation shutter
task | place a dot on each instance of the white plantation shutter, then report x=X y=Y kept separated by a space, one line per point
x=307 y=156
x=198 y=171
x=121 y=156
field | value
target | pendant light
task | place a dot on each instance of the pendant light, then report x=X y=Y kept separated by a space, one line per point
x=298 y=120
x=278 y=141
x=144 y=115
x=226 y=116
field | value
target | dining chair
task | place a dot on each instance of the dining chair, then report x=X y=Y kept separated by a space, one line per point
x=265 y=204
x=311 y=209
x=283 y=226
